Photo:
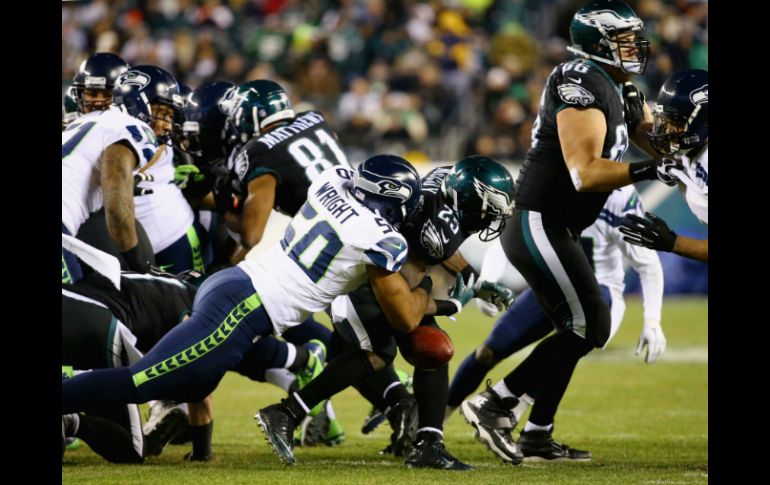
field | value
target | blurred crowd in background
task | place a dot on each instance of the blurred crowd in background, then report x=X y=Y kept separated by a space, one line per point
x=433 y=80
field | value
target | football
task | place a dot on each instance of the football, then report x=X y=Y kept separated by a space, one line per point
x=428 y=348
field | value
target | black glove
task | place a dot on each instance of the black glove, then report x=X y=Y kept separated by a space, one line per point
x=633 y=106
x=655 y=169
x=142 y=177
x=652 y=233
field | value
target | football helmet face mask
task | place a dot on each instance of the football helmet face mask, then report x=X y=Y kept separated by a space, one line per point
x=481 y=192
x=389 y=186
x=97 y=73
x=680 y=115
x=141 y=87
x=609 y=31
x=252 y=106
x=204 y=125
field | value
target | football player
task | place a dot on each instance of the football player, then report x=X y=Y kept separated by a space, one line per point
x=526 y=322
x=474 y=196
x=588 y=113
x=680 y=129
x=100 y=150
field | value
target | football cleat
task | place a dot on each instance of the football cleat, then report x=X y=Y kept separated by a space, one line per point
x=375 y=417
x=167 y=421
x=431 y=453
x=493 y=418
x=540 y=446
x=277 y=424
x=403 y=420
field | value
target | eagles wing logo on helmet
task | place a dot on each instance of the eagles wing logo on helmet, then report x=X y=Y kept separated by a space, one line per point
x=495 y=201
x=134 y=78
x=605 y=20
x=700 y=95
x=573 y=93
x=230 y=101
x=390 y=188
x=431 y=240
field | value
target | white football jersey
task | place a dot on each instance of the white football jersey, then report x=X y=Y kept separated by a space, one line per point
x=324 y=252
x=694 y=183
x=165 y=214
x=604 y=245
x=82 y=144
x=604 y=242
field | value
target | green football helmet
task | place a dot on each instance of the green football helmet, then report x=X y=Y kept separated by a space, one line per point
x=70 y=110
x=594 y=31
x=251 y=106
x=481 y=192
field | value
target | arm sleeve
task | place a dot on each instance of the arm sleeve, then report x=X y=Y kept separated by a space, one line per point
x=647 y=263
x=389 y=253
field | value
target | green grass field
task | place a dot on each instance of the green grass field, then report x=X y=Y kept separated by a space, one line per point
x=643 y=423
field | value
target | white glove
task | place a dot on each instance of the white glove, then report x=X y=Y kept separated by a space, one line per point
x=487 y=308
x=651 y=336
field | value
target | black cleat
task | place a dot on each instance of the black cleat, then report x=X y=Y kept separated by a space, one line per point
x=372 y=420
x=403 y=419
x=191 y=456
x=278 y=426
x=493 y=418
x=163 y=427
x=540 y=446
x=431 y=453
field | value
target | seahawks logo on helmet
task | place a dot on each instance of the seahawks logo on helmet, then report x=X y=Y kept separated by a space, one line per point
x=575 y=94
x=134 y=78
x=393 y=189
x=700 y=95
x=495 y=201
x=606 y=20
x=431 y=240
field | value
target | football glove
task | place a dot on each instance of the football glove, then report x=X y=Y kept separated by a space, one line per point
x=495 y=293
x=183 y=173
x=652 y=232
x=652 y=337
x=655 y=169
x=633 y=106
x=461 y=293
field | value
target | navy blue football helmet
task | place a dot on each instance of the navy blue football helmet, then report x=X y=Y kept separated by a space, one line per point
x=141 y=86
x=681 y=113
x=98 y=72
x=204 y=125
x=389 y=186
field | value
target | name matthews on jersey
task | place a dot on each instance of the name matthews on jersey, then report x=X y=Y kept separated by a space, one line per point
x=307 y=120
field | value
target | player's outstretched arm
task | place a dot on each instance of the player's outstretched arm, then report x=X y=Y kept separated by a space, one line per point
x=403 y=307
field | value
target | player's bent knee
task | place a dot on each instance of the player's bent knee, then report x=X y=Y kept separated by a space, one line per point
x=486 y=356
x=599 y=324
x=377 y=362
